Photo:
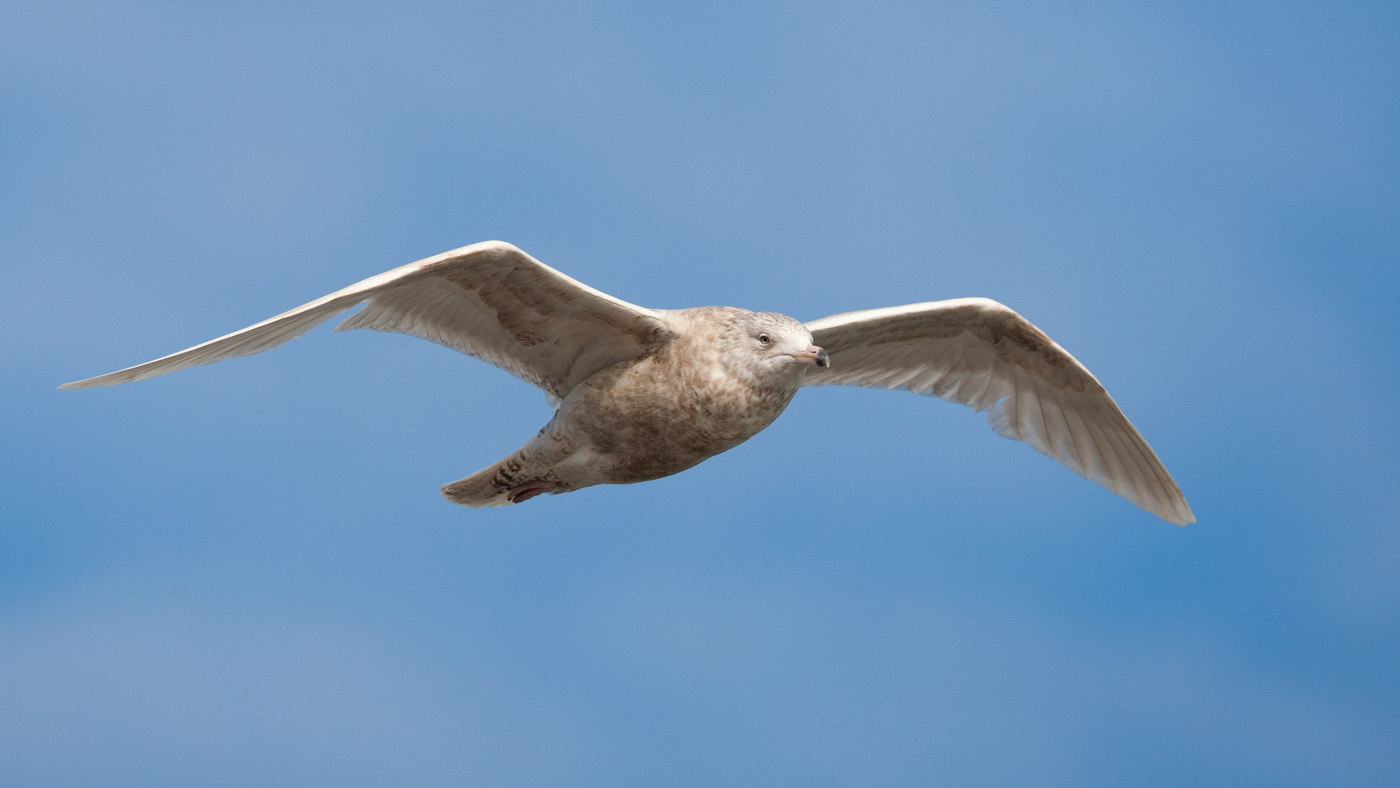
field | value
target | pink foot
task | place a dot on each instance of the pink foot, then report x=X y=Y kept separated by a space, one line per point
x=528 y=490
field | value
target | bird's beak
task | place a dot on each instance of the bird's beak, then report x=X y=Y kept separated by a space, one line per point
x=813 y=355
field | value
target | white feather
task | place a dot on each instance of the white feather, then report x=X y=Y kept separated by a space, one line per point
x=488 y=300
x=980 y=353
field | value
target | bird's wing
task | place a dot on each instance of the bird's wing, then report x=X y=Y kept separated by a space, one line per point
x=488 y=300
x=982 y=354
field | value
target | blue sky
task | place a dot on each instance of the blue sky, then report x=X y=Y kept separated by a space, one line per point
x=243 y=574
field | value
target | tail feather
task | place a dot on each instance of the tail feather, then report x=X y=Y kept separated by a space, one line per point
x=486 y=487
x=545 y=464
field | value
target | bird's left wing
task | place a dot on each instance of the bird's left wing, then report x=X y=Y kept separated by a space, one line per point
x=488 y=300
x=980 y=353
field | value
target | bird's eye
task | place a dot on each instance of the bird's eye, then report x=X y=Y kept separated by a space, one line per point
x=764 y=339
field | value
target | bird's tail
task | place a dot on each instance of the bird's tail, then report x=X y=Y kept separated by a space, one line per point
x=546 y=464
x=487 y=487
x=519 y=477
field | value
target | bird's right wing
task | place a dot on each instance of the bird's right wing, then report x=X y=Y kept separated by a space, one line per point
x=488 y=300
x=982 y=354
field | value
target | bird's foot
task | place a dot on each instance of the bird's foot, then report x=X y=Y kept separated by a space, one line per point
x=528 y=490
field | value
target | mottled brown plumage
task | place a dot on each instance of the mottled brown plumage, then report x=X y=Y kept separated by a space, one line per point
x=711 y=386
x=640 y=393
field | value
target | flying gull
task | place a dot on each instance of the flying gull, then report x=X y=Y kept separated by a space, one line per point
x=639 y=393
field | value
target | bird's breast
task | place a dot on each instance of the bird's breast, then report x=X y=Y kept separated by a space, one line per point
x=662 y=414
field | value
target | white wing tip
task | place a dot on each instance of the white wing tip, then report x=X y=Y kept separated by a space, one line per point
x=1183 y=515
x=88 y=383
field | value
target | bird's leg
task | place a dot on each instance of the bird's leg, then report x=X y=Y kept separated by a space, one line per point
x=528 y=490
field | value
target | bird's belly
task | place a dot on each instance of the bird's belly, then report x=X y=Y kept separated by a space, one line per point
x=641 y=429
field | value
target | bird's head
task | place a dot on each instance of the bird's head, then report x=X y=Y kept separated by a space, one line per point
x=764 y=347
x=780 y=343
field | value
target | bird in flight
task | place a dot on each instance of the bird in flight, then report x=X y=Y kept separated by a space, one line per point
x=640 y=393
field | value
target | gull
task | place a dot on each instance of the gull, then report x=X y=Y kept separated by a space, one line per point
x=640 y=393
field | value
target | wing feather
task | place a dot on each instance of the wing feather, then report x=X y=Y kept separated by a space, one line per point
x=982 y=354
x=489 y=300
